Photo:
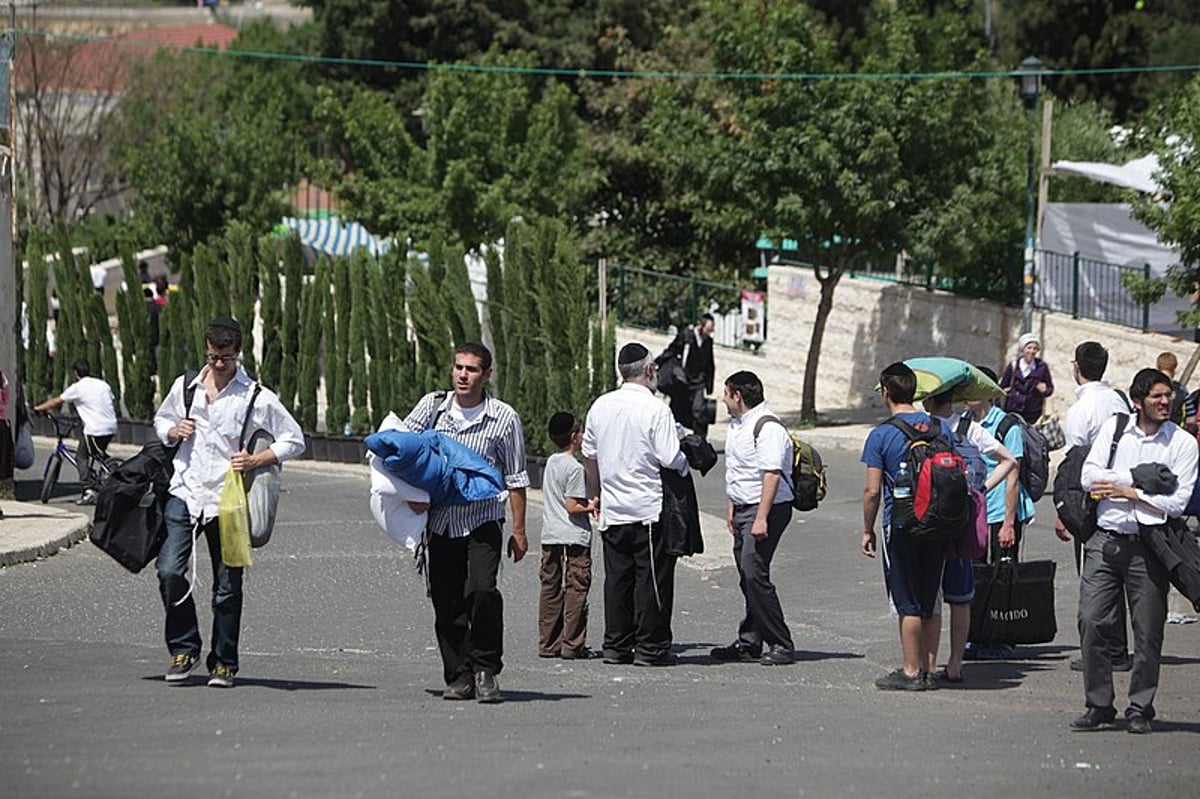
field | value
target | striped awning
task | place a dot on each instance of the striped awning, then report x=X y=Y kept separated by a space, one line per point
x=334 y=237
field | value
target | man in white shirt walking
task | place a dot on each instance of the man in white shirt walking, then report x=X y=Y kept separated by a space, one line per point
x=628 y=439
x=93 y=401
x=758 y=490
x=1095 y=403
x=225 y=400
x=1116 y=559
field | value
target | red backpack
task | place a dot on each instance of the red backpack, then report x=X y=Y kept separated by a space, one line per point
x=938 y=506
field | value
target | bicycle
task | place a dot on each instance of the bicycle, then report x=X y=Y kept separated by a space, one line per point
x=98 y=468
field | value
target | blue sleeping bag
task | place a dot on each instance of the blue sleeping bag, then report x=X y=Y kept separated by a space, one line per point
x=452 y=473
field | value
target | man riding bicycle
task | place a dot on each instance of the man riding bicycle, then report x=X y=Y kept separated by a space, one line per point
x=93 y=401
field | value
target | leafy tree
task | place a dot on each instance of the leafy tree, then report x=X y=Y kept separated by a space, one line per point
x=137 y=354
x=269 y=268
x=360 y=266
x=38 y=368
x=290 y=253
x=1177 y=219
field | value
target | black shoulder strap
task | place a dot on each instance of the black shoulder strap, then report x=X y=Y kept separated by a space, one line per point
x=1122 y=422
x=189 y=391
x=964 y=426
x=910 y=432
x=439 y=408
x=246 y=420
x=1124 y=398
x=1009 y=421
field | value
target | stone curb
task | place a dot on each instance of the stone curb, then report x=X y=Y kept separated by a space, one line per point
x=67 y=536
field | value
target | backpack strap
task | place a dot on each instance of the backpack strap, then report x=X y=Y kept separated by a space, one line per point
x=189 y=391
x=964 y=427
x=440 y=406
x=762 y=420
x=1122 y=423
x=249 y=411
x=910 y=432
x=1009 y=421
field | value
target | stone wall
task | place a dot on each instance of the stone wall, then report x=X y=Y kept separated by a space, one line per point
x=874 y=323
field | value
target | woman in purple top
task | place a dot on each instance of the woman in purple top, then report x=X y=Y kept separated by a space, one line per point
x=1027 y=380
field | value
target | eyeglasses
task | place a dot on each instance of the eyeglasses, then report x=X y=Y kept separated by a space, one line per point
x=214 y=358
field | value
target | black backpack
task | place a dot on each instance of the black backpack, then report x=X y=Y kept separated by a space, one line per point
x=1074 y=504
x=1035 y=463
x=940 y=506
x=129 y=524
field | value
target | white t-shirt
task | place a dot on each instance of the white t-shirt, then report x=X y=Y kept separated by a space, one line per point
x=93 y=401
x=564 y=478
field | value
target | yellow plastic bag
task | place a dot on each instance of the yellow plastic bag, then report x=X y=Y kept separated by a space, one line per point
x=234 y=521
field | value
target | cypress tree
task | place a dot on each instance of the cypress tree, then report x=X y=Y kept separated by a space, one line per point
x=379 y=343
x=240 y=270
x=430 y=326
x=359 y=266
x=291 y=253
x=38 y=369
x=271 y=306
x=314 y=299
x=136 y=351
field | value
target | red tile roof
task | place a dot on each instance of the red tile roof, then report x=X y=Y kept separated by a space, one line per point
x=102 y=66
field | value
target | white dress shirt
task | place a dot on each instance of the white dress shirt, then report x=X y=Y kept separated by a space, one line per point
x=1170 y=446
x=745 y=461
x=631 y=435
x=202 y=461
x=93 y=401
x=1095 y=403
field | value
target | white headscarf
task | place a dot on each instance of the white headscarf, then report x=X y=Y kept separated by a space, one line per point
x=1026 y=339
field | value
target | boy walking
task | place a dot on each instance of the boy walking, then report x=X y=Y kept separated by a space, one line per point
x=566 y=570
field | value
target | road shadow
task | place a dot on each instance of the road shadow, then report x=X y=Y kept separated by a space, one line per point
x=277 y=685
x=67 y=486
x=806 y=655
x=1176 y=660
x=996 y=675
x=699 y=654
x=1161 y=725
x=524 y=696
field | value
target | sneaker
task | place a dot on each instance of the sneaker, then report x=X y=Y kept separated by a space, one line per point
x=615 y=658
x=734 y=653
x=487 y=690
x=666 y=659
x=181 y=666
x=88 y=498
x=777 y=655
x=220 y=677
x=1138 y=724
x=899 y=681
x=1094 y=718
x=461 y=690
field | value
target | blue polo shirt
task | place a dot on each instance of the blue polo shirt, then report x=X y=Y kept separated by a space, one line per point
x=1014 y=442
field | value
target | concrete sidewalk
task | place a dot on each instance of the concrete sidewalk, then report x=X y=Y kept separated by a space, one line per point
x=30 y=531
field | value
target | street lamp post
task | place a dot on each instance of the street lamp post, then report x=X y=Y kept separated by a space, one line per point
x=1030 y=73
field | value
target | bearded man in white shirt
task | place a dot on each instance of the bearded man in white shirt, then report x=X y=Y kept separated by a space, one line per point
x=628 y=439
x=1116 y=560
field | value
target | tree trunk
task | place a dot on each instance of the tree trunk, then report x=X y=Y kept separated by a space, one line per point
x=808 y=402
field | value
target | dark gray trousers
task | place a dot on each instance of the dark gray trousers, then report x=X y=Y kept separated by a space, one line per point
x=1118 y=647
x=763 y=622
x=1116 y=567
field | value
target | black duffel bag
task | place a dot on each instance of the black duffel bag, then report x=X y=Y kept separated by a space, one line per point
x=129 y=524
x=1014 y=603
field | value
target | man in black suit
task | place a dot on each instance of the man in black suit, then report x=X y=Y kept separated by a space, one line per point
x=693 y=347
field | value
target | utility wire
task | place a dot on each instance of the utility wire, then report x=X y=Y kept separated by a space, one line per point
x=583 y=73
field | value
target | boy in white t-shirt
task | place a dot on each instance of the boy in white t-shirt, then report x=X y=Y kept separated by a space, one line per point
x=93 y=401
x=566 y=570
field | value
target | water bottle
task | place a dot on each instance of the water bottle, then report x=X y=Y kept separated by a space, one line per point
x=902 y=487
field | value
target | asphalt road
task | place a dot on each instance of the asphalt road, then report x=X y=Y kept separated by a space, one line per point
x=339 y=689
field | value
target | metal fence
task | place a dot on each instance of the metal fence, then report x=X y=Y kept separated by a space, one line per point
x=659 y=301
x=1090 y=289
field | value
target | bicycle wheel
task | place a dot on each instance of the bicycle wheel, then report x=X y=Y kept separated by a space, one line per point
x=51 y=478
x=102 y=469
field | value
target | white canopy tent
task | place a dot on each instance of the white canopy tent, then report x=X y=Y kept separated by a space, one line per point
x=1104 y=234
x=334 y=237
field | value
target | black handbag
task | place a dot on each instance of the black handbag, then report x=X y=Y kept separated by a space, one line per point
x=1014 y=603
x=671 y=375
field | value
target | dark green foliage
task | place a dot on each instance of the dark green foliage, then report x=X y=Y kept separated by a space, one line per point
x=178 y=350
x=291 y=253
x=136 y=351
x=271 y=308
x=431 y=326
x=337 y=350
x=359 y=266
x=239 y=262
x=38 y=369
x=315 y=298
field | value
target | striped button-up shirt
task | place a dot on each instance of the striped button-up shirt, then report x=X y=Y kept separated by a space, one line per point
x=496 y=434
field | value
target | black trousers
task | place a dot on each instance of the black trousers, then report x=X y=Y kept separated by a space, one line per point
x=687 y=406
x=1117 y=568
x=90 y=447
x=467 y=607
x=639 y=590
x=763 y=622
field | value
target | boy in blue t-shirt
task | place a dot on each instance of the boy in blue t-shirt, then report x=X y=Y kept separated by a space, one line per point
x=912 y=568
